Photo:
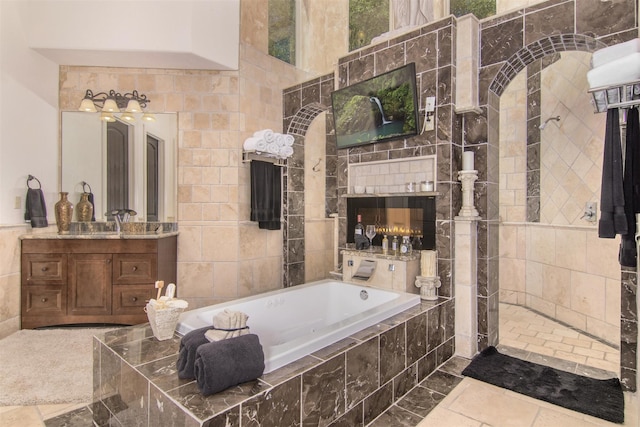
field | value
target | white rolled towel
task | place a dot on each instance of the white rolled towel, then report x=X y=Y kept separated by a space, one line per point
x=272 y=148
x=261 y=145
x=251 y=143
x=266 y=134
x=288 y=139
x=232 y=321
x=279 y=139
x=617 y=51
x=285 y=151
x=619 y=71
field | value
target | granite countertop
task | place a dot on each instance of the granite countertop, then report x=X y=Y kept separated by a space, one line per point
x=101 y=235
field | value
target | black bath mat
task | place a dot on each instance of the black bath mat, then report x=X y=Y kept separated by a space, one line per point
x=599 y=398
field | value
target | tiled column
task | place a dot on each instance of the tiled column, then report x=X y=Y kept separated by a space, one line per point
x=466 y=285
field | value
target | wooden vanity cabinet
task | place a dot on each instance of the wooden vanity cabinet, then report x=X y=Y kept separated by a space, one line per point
x=103 y=281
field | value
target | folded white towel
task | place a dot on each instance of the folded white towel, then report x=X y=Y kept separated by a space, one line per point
x=266 y=134
x=251 y=143
x=611 y=53
x=289 y=140
x=619 y=71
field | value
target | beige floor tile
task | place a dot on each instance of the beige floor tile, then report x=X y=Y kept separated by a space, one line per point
x=553 y=418
x=491 y=405
x=25 y=416
x=444 y=417
x=50 y=411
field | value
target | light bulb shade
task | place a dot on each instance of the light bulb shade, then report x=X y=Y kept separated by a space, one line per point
x=133 y=106
x=107 y=117
x=129 y=117
x=147 y=117
x=87 y=105
x=110 y=106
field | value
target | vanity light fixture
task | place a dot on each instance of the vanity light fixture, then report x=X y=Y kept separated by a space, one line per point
x=113 y=102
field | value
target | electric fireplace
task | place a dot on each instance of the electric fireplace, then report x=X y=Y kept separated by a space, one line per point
x=413 y=216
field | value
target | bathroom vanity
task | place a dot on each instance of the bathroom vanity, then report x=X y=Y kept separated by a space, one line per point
x=92 y=278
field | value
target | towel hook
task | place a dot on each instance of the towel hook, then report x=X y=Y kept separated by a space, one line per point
x=84 y=183
x=316 y=165
x=30 y=178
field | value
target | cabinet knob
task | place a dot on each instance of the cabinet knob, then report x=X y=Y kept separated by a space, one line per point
x=135 y=268
x=134 y=299
x=108 y=260
x=45 y=268
x=44 y=300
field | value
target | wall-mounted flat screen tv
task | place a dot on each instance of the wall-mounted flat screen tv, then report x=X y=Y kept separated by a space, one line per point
x=382 y=108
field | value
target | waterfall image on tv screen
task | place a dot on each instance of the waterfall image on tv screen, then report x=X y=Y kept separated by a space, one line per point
x=378 y=109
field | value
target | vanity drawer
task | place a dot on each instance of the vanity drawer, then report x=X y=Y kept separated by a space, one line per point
x=131 y=299
x=43 y=300
x=44 y=269
x=131 y=269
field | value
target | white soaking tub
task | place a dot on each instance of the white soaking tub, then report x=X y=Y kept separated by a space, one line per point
x=294 y=322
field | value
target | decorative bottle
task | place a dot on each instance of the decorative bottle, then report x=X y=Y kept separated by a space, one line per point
x=359 y=229
x=84 y=208
x=385 y=244
x=64 y=213
x=394 y=245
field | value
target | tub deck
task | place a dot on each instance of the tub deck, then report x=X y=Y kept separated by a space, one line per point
x=136 y=382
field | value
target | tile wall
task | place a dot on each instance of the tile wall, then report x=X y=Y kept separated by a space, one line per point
x=510 y=43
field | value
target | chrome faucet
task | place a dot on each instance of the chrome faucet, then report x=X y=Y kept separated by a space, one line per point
x=121 y=216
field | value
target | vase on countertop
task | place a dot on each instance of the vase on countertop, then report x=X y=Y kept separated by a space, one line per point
x=64 y=213
x=84 y=208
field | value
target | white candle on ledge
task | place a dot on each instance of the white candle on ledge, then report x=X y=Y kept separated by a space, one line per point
x=467 y=161
x=428 y=263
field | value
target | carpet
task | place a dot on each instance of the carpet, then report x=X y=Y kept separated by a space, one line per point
x=599 y=398
x=47 y=366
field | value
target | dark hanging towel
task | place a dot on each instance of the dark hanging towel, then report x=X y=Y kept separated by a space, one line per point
x=612 y=217
x=35 y=208
x=628 y=252
x=266 y=184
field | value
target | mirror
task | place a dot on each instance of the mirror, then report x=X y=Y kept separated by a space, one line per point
x=126 y=165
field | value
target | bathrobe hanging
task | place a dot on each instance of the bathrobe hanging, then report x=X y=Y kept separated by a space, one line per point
x=612 y=216
x=631 y=184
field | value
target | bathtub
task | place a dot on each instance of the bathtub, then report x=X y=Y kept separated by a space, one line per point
x=294 y=322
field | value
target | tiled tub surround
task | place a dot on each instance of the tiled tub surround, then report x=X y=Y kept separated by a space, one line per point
x=348 y=383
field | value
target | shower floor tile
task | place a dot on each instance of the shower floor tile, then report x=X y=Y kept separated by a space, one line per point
x=535 y=337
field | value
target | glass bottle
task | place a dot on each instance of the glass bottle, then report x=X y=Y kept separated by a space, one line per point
x=385 y=244
x=359 y=229
x=394 y=245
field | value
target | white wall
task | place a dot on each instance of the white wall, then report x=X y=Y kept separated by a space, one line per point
x=183 y=34
x=28 y=120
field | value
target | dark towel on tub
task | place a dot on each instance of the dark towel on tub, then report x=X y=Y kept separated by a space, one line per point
x=225 y=363
x=266 y=200
x=187 y=356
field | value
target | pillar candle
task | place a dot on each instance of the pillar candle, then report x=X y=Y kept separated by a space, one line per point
x=428 y=263
x=467 y=161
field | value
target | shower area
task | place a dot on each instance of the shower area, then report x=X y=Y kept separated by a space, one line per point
x=554 y=270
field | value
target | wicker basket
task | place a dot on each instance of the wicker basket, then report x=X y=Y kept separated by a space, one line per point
x=163 y=321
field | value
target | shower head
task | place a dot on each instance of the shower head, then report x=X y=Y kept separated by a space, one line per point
x=544 y=125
